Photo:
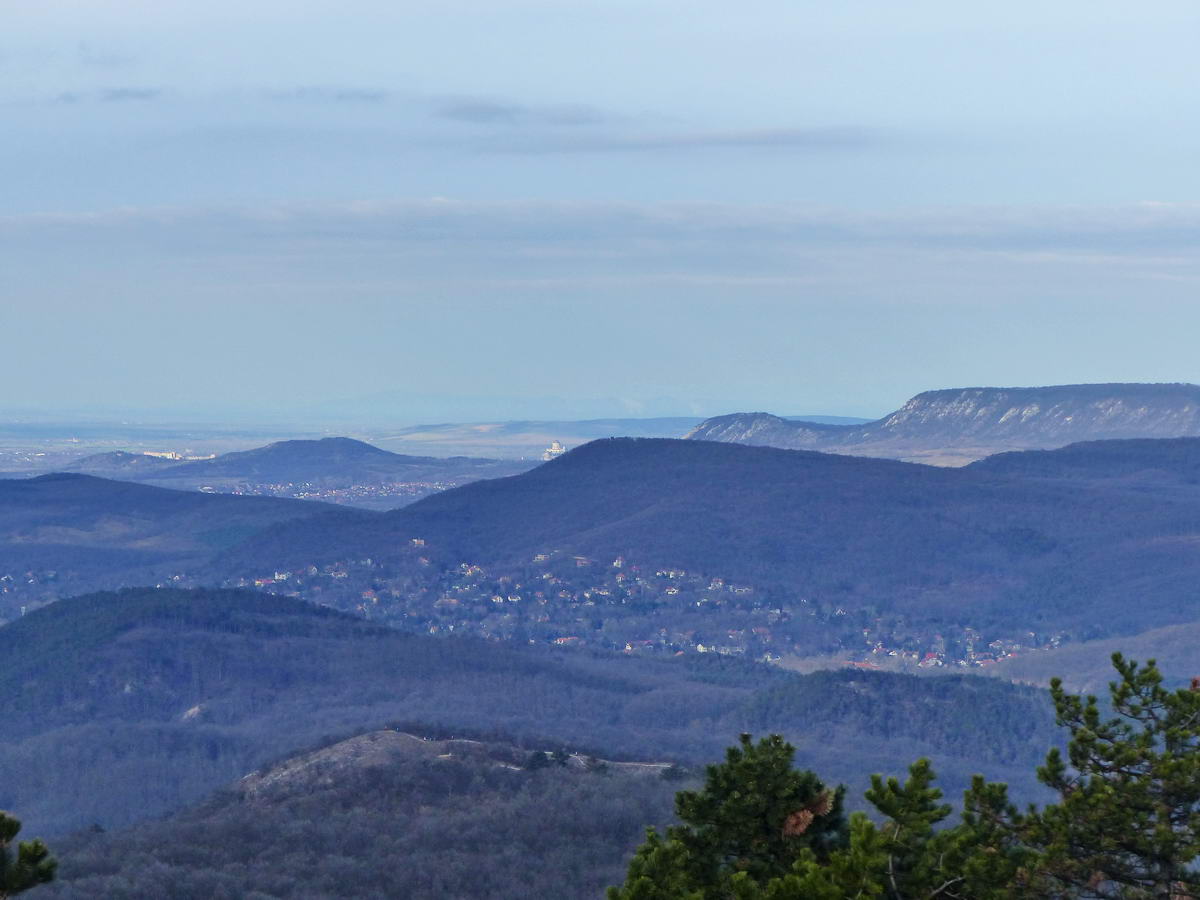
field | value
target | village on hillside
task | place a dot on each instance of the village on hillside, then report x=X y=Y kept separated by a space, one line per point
x=573 y=601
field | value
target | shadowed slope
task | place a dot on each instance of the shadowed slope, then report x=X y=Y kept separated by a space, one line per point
x=932 y=543
x=65 y=533
x=121 y=706
x=1173 y=463
x=408 y=817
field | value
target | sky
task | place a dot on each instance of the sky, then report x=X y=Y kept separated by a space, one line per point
x=494 y=209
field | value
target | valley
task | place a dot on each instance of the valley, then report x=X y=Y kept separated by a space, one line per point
x=181 y=664
x=571 y=450
x=120 y=707
x=660 y=547
x=666 y=546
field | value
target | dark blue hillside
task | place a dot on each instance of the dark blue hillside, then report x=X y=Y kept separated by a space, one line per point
x=66 y=494
x=935 y=543
x=337 y=459
x=118 y=706
x=1169 y=461
x=66 y=533
x=284 y=457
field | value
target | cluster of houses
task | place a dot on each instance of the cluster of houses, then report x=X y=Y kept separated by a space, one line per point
x=968 y=649
x=568 y=601
x=614 y=604
x=21 y=592
x=397 y=492
x=574 y=601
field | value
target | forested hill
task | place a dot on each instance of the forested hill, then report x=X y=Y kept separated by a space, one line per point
x=934 y=544
x=73 y=501
x=119 y=464
x=324 y=464
x=63 y=533
x=121 y=706
x=660 y=497
x=335 y=458
x=959 y=424
x=411 y=818
x=1173 y=462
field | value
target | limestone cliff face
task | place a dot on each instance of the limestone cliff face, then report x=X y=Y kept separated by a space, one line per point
x=1052 y=414
x=765 y=430
x=974 y=422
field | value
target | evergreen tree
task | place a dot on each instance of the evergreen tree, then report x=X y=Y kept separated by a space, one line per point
x=1127 y=823
x=905 y=857
x=754 y=817
x=33 y=864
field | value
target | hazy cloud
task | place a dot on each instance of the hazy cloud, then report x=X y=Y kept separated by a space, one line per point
x=327 y=94
x=125 y=94
x=95 y=57
x=805 y=139
x=1156 y=234
x=490 y=111
x=110 y=95
x=933 y=297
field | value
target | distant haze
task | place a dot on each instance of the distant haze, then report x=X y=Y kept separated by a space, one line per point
x=465 y=211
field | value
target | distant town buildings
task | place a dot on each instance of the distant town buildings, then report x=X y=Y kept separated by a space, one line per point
x=175 y=455
x=554 y=451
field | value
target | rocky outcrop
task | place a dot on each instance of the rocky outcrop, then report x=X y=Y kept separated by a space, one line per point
x=968 y=423
x=762 y=429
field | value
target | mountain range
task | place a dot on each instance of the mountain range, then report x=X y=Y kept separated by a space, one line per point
x=1006 y=544
x=1050 y=542
x=240 y=714
x=337 y=469
x=963 y=424
x=527 y=439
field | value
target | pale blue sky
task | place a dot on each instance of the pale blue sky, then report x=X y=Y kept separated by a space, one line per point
x=655 y=206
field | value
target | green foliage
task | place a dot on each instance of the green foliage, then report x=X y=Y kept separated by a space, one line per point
x=1126 y=825
x=750 y=821
x=660 y=870
x=1127 y=822
x=907 y=855
x=32 y=865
